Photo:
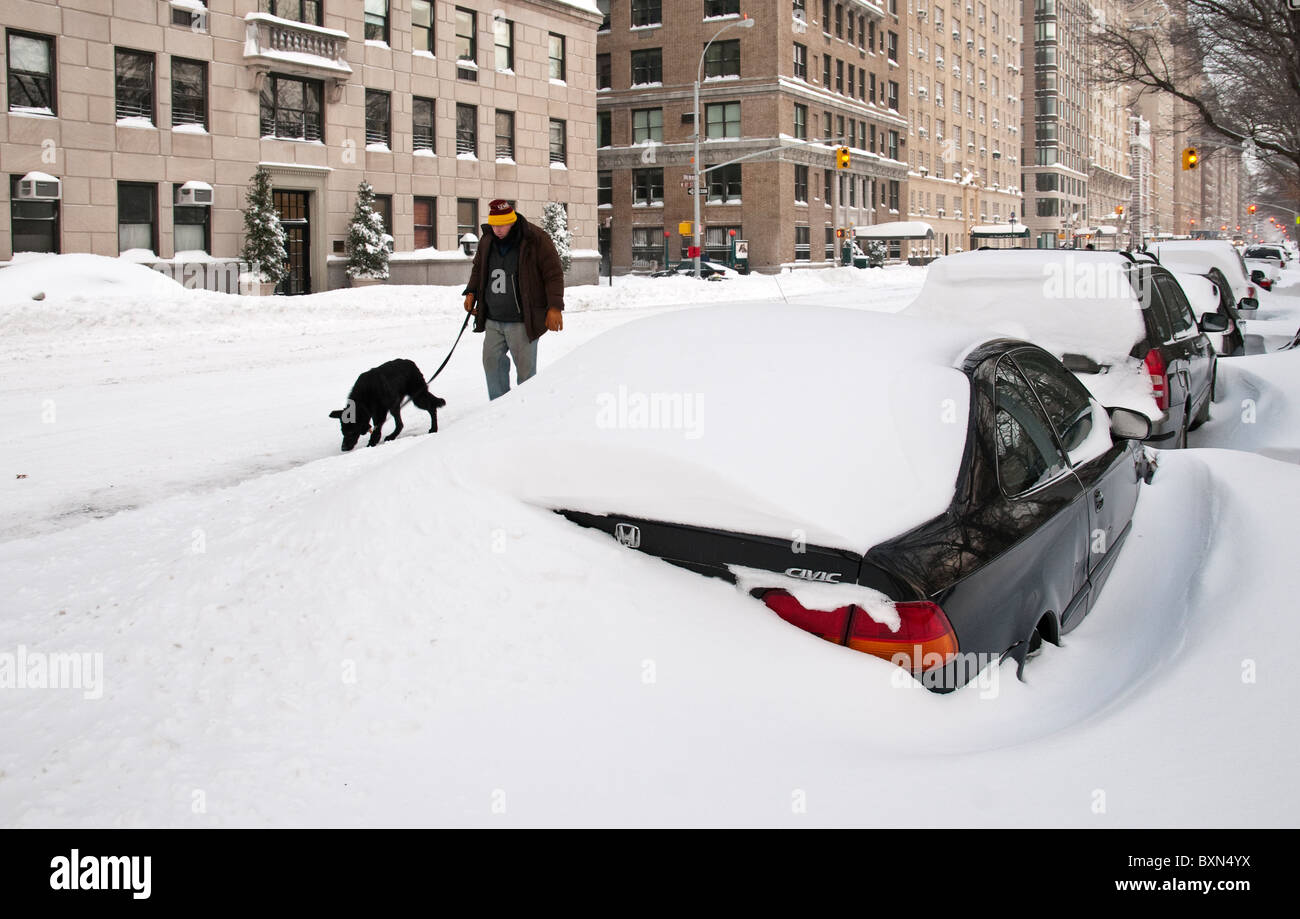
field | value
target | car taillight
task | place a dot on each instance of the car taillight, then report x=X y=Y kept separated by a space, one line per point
x=1155 y=365
x=1250 y=290
x=830 y=625
x=925 y=640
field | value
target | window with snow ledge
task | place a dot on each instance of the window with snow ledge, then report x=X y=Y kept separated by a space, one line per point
x=647 y=13
x=189 y=14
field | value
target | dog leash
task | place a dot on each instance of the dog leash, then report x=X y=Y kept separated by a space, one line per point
x=463 y=326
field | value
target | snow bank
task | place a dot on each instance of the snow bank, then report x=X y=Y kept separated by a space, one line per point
x=1256 y=406
x=80 y=277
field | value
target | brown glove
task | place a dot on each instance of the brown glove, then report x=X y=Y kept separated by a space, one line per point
x=554 y=320
x=469 y=304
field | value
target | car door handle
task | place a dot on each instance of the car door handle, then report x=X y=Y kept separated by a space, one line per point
x=1098 y=499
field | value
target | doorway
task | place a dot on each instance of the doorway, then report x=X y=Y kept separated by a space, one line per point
x=293 y=211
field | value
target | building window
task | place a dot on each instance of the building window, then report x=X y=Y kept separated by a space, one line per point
x=717 y=242
x=605 y=188
x=603 y=6
x=466 y=218
x=559 y=143
x=826 y=71
x=504 y=31
x=802 y=248
x=800 y=121
x=828 y=251
x=647 y=12
x=555 y=56
x=647 y=66
x=893 y=195
x=839 y=76
x=191 y=230
x=647 y=186
x=31 y=74
x=801 y=61
x=722 y=59
x=604 y=129
x=801 y=184
x=721 y=7
x=466 y=35
x=891 y=49
x=893 y=95
x=422 y=25
x=505 y=135
x=892 y=148
x=134 y=82
x=189 y=93
x=647 y=247
x=308 y=11
x=378 y=118
x=724 y=184
x=137 y=216
x=426 y=223
x=826 y=16
x=291 y=108
x=722 y=119
x=826 y=188
x=422 y=124
x=384 y=208
x=604 y=73
x=34 y=224
x=466 y=130
x=839 y=21
x=376 y=21
x=647 y=125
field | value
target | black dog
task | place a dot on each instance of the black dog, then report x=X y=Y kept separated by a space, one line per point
x=379 y=392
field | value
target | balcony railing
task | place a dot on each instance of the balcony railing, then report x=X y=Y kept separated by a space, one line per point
x=297 y=48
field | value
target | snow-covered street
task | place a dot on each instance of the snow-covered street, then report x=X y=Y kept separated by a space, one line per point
x=294 y=636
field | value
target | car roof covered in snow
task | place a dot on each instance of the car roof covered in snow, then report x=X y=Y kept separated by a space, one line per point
x=1200 y=255
x=1066 y=301
x=837 y=427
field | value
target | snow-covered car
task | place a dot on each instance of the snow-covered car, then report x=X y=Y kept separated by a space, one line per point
x=1211 y=294
x=1121 y=322
x=1264 y=272
x=1198 y=256
x=1275 y=254
x=929 y=493
x=709 y=271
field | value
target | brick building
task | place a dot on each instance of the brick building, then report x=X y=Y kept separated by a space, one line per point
x=152 y=115
x=809 y=76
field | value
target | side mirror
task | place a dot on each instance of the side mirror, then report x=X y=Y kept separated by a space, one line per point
x=1213 y=322
x=1248 y=303
x=1127 y=424
x=1258 y=275
x=1080 y=363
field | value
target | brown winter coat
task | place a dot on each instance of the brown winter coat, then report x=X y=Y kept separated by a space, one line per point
x=540 y=283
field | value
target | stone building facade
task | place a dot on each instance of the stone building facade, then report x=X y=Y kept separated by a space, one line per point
x=153 y=115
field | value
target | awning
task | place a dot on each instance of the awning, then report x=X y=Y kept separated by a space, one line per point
x=898 y=229
x=1000 y=231
x=1107 y=231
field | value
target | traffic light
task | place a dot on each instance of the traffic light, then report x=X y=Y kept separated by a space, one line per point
x=1191 y=159
x=841 y=157
x=1119 y=210
x=1251 y=209
x=839 y=233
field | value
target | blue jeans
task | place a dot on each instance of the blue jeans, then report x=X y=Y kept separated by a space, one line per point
x=500 y=339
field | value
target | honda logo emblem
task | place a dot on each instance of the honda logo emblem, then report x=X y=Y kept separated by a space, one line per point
x=628 y=535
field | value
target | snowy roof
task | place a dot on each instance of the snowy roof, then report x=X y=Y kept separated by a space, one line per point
x=830 y=425
x=897 y=229
x=1200 y=255
x=1000 y=230
x=1066 y=301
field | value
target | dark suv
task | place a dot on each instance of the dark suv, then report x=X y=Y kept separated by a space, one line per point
x=1176 y=354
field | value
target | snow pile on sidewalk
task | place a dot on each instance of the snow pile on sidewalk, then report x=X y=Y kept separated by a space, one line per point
x=1256 y=406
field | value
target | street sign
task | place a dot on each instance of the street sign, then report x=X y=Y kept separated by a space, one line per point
x=684 y=228
x=742 y=248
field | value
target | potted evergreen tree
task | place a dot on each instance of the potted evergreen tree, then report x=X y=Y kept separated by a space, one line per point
x=368 y=242
x=264 y=251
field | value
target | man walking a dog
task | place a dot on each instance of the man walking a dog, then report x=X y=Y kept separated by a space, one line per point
x=515 y=294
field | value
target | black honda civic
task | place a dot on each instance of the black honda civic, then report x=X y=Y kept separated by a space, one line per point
x=929 y=494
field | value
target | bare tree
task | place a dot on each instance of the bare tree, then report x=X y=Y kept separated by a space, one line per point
x=1235 y=62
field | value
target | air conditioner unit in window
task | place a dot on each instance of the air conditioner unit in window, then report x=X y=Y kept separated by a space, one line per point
x=997 y=154
x=194 y=193
x=37 y=186
x=956 y=33
x=970 y=43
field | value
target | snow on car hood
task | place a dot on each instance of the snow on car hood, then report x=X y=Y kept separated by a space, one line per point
x=1064 y=302
x=833 y=427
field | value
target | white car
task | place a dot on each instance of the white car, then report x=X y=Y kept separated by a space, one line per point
x=1198 y=256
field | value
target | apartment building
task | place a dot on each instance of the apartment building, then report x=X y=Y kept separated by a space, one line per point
x=1109 y=170
x=775 y=101
x=1221 y=175
x=1055 y=129
x=964 y=82
x=151 y=116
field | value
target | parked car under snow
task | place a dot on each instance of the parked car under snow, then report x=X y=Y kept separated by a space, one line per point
x=927 y=493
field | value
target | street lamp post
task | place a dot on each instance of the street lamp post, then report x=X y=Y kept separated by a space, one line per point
x=745 y=23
